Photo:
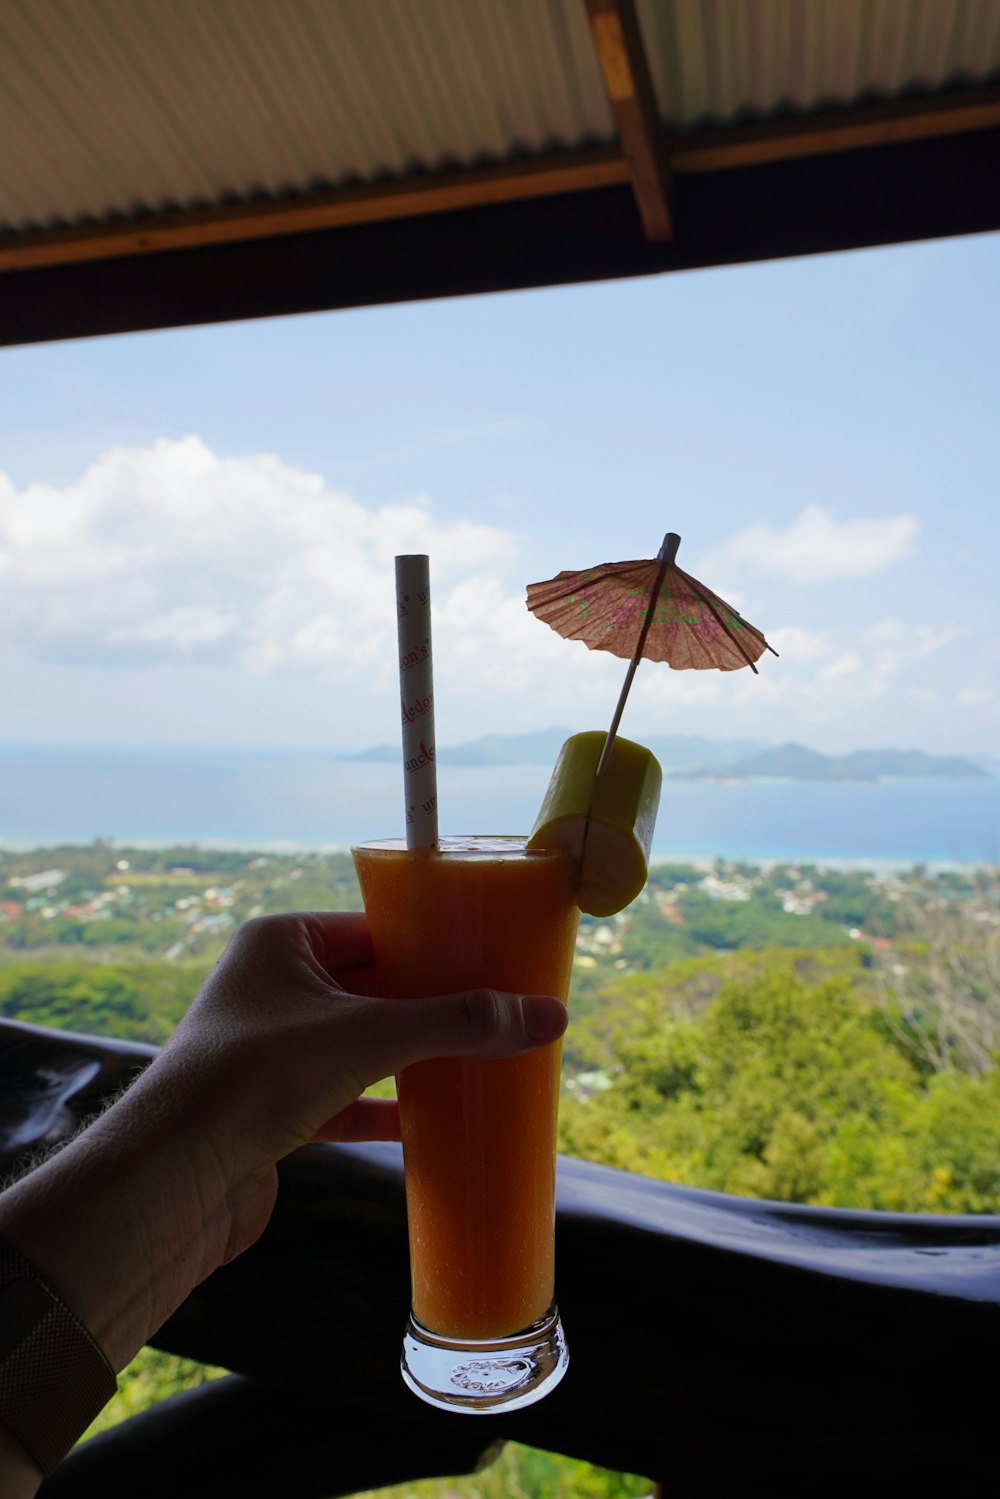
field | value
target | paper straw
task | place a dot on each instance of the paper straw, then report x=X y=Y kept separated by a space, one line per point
x=416 y=692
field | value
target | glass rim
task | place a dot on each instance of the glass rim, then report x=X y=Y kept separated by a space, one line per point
x=475 y=845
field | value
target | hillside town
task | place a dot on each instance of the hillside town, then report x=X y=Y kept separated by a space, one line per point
x=183 y=902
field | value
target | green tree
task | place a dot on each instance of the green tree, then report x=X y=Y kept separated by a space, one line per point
x=141 y=1002
x=943 y=1155
x=746 y=1096
x=150 y=1377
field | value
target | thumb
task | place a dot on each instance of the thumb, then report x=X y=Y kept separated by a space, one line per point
x=476 y=1023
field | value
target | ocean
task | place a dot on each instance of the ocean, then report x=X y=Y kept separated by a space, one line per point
x=275 y=799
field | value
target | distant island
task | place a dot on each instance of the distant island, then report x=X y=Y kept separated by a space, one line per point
x=693 y=757
x=794 y=762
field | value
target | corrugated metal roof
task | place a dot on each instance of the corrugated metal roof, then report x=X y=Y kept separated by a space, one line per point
x=722 y=61
x=110 y=108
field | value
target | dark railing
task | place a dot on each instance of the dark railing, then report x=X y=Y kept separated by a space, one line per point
x=725 y=1347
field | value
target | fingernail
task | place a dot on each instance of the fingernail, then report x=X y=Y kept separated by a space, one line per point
x=544 y=1017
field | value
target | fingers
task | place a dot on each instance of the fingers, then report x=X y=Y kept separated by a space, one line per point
x=340 y=939
x=301 y=946
x=365 y=1119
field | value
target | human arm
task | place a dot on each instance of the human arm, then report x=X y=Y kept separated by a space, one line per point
x=179 y=1175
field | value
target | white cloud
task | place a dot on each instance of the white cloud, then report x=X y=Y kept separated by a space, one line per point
x=975 y=697
x=183 y=627
x=488 y=643
x=172 y=557
x=172 y=554
x=793 y=643
x=659 y=686
x=169 y=557
x=891 y=644
x=817 y=547
x=824 y=679
x=847 y=664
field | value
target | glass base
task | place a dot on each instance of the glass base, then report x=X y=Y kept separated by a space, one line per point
x=485 y=1377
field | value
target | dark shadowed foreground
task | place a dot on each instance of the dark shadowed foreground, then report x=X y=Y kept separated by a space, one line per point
x=728 y=1347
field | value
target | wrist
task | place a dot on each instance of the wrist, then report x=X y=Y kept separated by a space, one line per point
x=54 y=1377
x=124 y=1222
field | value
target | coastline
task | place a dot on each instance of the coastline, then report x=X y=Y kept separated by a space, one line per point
x=878 y=866
x=310 y=803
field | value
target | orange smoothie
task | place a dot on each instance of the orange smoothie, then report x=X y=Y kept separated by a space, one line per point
x=478 y=1136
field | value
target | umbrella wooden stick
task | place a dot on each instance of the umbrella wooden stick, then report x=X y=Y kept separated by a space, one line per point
x=665 y=557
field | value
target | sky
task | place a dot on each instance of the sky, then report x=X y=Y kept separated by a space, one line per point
x=197 y=527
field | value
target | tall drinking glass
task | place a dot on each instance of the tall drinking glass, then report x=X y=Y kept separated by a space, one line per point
x=478 y=1136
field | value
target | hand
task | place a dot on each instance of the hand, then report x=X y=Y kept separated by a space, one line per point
x=286 y=1035
x=179 y=1175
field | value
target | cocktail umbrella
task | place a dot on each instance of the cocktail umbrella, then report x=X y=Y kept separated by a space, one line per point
x=648 y=609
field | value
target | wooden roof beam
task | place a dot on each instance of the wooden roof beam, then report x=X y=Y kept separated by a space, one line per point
x=194 y=229
x=855 y=127
x=718 y=149
x=926 y=188
x=618 y=44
